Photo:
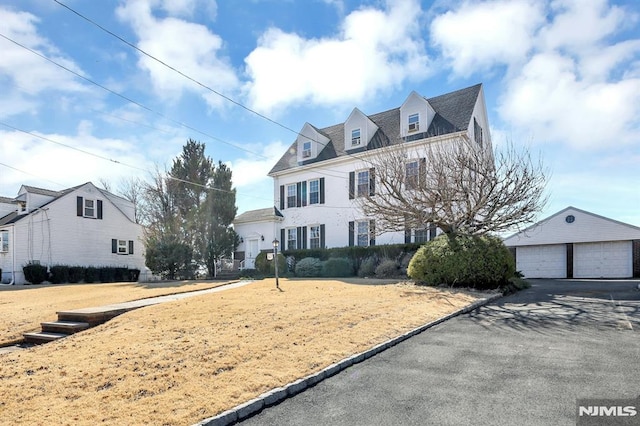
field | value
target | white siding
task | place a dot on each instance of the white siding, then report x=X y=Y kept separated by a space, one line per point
x=543 y=261
x=613 y=259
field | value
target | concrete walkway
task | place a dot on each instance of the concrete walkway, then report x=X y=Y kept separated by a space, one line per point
x=106 y=312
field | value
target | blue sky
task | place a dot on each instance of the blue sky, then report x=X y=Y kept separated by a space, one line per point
x=561 y=77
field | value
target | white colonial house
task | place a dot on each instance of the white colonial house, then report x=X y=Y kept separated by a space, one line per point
x=79 y=226
x=574 y=243
x=319 y=178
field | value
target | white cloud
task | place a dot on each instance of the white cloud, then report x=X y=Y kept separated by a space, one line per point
x=375 y=51
x=28 y=74
x=248 y=171
x=188 y=47
x=478 y=36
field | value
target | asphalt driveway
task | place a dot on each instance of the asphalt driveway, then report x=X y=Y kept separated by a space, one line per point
x=523 y=359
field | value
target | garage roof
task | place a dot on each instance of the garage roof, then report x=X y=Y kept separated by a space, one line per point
x=572 y=225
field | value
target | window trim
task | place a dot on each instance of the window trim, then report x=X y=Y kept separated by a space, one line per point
x=306 y=152
x=360 y=185
x=318 y=237
x=314 y=192
x=123 y=247
x=366 y=235
x=294 y=232
x=4 y=241
x=292 y=200
x=94 y=207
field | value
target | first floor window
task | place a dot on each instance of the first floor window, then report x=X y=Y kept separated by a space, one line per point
x=4 y=241
x=291 y=196
x=314 y=237
x=122 y=247
x=292 y=239
x=89 y=208
x=363 y=233
x=421 y=235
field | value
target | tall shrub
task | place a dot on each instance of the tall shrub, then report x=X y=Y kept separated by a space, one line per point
x=35 y=273
x=463 y=260
x=337 y=267
x=308 y=267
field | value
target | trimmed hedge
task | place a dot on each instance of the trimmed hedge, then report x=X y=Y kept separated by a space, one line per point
x=35 y=273
x=482 y=262
x=308 y=267
x=387 y=269
x=267 y=267
x=337 y=267
x=59 y=274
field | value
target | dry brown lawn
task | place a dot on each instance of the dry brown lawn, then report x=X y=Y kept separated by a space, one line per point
x=23 y=308
x=180 y=362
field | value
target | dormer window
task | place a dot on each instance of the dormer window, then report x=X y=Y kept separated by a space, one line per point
x=414 y=122
x=355 y=137
x=22 y=206
x=306 y=149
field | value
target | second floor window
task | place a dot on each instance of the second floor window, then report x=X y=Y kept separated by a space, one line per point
x=314 y=191
x=363 y=183
x=89 y=208
x=306 y=149
x=291 y=196
x=355 y=137
x=411 y=175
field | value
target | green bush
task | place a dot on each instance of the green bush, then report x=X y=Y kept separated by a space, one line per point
x=59 y=274
x=121 y=274
x=387 y=269
x=337 y=267
x=76 y=274
x=133 y=275
x=463 y=261
x=107 y=274
x=267 y=267
x=308 y=267
x=368 y=267
x=35 y=273
x=91 y=274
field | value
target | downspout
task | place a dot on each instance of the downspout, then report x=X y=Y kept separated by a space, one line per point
x=13 y=255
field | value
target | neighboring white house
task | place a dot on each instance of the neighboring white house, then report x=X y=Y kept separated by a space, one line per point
x=319 y=178
x=574 y=243
x=79 y=226
x=257 y=229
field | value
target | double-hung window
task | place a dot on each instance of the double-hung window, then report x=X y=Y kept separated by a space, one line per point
x=291 y=196
x=306 y=149
x=421 y=235
x=89 y=208
x=363 y=183
x=363 y=233
x=314 y=191
x=414 y=122
x=123 y=248
x=4 y=241
x=292 y=239
x=355 y=137
x=412 y=171
x=314 y=237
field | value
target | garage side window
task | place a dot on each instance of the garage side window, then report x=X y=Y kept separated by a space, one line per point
x=4 y=241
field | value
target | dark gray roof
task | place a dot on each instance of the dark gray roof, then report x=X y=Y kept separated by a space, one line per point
x=42 y=191
x=453 y=114
x=7 y=200
x=258 y=215
x=10 y=218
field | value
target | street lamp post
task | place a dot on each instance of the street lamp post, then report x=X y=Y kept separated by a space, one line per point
x=275 y=259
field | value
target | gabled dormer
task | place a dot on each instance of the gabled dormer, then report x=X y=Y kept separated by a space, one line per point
x=358 y=130
x=310 y=143
x=415 y=115
x=30 y=198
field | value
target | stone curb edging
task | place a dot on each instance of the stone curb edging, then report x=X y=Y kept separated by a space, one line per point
x=277 y=395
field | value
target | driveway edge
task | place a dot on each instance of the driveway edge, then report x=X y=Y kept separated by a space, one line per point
x=277 y=395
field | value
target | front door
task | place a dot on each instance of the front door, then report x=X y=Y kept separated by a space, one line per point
x=252 y=252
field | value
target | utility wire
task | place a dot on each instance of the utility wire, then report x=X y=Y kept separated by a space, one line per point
x=30 y=174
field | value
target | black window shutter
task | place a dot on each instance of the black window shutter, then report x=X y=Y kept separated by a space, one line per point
x=299 y=194
x=304 y=237
x=80 y=206
x=352 y=229
x=407 y=235
x=322 y=238
x=372 y=181
x=130 y=247
x=99 y=209
x=299 y=237
x=432 y=232
x=114 y=245
x=322 y=191
x=422 y=169
x=372 y=233
x=281 y=197
x=352 y=184
x=304 y=193
x=283 y=243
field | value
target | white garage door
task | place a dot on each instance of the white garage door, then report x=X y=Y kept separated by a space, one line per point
x=547 y=261
x=603 y=260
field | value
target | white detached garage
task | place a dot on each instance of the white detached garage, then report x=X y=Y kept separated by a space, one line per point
x=574 y=243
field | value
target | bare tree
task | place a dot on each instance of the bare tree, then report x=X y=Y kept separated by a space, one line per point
x=458 y=186
x=133 y=190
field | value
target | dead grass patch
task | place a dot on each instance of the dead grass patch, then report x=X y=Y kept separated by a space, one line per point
x=23 y=308
x=179 y=362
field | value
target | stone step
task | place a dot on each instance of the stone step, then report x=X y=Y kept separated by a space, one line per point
x=68 y=327
x=43 y=337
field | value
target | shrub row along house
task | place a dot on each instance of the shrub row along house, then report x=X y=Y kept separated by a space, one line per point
x=79 y=226
x=319 y=180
